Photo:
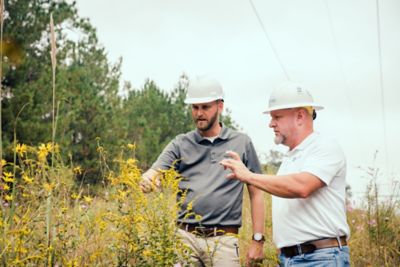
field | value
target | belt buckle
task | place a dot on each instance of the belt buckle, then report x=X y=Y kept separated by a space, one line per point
x=307 y=247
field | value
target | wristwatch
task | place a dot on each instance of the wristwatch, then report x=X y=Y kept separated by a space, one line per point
x=259 y=237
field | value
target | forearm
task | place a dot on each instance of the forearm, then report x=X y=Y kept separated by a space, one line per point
x=286 y=186
x=257 y=209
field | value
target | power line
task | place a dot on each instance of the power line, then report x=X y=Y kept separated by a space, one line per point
x=378 y=27
x=269 y=39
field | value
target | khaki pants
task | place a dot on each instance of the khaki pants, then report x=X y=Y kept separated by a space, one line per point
x=218 y=251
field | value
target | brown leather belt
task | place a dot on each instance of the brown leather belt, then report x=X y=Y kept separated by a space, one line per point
x=208 y=231
x=310 y=246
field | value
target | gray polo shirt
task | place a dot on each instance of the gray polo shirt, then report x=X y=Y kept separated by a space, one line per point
x=217 y=199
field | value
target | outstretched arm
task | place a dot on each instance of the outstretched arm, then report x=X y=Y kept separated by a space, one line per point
x=296 y=185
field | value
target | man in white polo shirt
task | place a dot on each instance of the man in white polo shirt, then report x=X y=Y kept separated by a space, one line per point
x=308 y=207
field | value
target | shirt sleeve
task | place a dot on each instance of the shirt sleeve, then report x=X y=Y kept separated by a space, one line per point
x=326 y=161
x=167 y=157
x=251 y=160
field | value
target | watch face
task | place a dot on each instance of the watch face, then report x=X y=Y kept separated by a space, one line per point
x=257 y=236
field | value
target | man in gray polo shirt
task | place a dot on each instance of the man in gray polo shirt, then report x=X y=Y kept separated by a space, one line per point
x=218 y=201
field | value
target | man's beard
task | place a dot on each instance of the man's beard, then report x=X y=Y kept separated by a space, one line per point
x=279 y=139
x=209 y=124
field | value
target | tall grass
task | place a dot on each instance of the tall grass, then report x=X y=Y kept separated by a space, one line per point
x=375 y=226
x=2 y=11
x=49 y=236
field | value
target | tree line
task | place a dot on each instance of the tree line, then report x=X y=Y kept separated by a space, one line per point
x=89 y=105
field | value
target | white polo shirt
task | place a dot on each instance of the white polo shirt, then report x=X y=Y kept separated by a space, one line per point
x=323 y=214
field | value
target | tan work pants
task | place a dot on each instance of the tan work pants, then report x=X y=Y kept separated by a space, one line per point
x=218 y=251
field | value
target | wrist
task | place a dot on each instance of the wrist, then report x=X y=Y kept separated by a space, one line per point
x=258 y=237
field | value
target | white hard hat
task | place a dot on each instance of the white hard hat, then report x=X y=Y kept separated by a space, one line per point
x=203 y=89
x=291 y=95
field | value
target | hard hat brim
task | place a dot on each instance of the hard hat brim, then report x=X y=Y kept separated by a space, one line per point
x=201 y=100
x=297 y=105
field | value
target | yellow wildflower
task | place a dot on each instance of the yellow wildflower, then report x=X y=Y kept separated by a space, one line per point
x=3 y=163
x=122 y=194
x=22 y=250
x=74 y=196
x=27 y=179
x=6 y=187
x=8 y=174
x=131 y=146
x=146 y=253
x=102 y=225
x=8 y=177
x=131 y=162
x=9 y=197
x=78 y=170
x=25 y=231
x=49 y=146
x=72 y=263
x=48 y=187
x=21 y=149
x=43 y=152
x=190 y=206
x=88 y=199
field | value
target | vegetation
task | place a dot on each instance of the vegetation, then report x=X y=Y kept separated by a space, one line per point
x=120 y=226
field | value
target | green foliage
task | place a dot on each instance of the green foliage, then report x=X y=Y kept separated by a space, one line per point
x=153 y=118
x=86 y=84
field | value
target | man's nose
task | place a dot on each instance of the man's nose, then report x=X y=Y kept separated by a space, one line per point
x=271 y=124
x=200 y=112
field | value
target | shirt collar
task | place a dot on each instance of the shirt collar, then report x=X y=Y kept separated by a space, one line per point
x=309 y=139
x=223 y=134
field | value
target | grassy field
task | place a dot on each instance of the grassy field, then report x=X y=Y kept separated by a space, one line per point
x=46 y=219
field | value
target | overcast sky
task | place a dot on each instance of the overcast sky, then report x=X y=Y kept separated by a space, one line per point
x=331 y=47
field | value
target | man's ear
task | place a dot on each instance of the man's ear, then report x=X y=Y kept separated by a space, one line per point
x=301 y=115
x=220 y=106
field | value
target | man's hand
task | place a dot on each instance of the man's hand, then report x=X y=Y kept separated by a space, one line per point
x=150 y=181
x=255 y=254
x=145 y=185
x=239 y=170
